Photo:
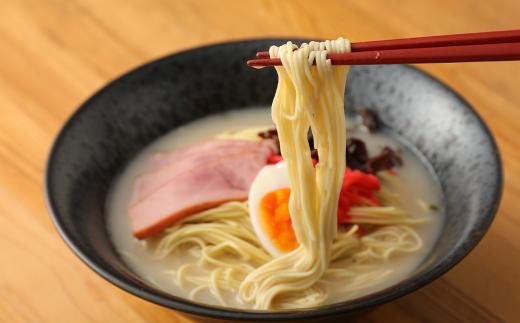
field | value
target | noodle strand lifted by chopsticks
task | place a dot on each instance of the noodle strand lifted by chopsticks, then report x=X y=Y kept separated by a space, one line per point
x=306 y=97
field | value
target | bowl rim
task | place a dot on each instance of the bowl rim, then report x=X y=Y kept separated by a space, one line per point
x=358 y=304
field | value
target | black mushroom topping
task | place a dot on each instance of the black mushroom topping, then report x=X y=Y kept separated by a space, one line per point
x=357 y=157
x=387 y=159
x=369 y=119
x=271 y=134
x=357 y=154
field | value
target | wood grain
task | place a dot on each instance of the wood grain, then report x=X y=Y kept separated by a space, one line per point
x=54 y=54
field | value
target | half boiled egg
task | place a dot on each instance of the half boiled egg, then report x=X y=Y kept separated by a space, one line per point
x=269 y=209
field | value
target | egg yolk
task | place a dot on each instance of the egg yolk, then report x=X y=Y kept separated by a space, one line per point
x=274 y=213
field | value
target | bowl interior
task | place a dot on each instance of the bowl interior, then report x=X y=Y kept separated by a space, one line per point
x=117 y=122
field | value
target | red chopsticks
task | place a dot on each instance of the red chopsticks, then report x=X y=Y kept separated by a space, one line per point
x=487 y=46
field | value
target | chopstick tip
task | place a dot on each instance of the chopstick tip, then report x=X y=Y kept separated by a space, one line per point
x=256 y=63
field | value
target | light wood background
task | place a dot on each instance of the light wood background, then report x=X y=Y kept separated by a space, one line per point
x=54 y=54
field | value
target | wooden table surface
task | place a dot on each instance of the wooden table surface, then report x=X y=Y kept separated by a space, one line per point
x=54 y=54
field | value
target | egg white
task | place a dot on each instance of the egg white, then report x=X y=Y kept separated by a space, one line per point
x=269 y=179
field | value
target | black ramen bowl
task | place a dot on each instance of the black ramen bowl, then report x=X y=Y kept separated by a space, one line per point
x=117 y=122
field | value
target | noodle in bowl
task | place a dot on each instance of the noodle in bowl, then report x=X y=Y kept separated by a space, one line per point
x=320 y=247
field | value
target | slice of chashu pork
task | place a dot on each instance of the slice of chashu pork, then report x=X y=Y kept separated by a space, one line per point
x=194 y=179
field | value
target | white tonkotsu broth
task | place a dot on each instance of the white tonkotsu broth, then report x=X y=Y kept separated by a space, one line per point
x=418 y=190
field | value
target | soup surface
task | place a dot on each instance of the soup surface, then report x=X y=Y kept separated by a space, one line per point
x=419 y=192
